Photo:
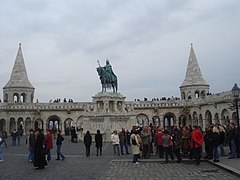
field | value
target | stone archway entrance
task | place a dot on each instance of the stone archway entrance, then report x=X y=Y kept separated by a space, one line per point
x=169 y=121
x=54 y=123
x=182 y=121
x=68 y=123
x=12 y=124
x=38 y=124
x=2 y=125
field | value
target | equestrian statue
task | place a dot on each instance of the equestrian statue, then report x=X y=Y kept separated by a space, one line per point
x=107 y=77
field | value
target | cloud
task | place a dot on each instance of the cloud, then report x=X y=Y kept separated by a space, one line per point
x=147 y=43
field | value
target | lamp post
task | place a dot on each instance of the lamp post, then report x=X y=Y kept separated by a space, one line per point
x=236 y=92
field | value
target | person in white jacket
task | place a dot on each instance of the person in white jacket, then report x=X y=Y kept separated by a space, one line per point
x=115 y=142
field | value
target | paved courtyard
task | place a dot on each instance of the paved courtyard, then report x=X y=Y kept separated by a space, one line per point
x=78 y=166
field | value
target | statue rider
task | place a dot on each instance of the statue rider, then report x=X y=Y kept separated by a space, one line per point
x=110 y=73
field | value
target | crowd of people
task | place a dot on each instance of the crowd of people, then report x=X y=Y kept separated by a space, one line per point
x=187 y=142
x=168 y=143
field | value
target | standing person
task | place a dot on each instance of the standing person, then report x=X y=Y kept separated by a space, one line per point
x=99 y=142
x=135 y=141
x=159 y=142
x=222 y=140
x=88 y=143
x=39 y=154
x=123 y=141
x=115 y=142
x=31 y=141
x=19 y=135
x=146 y=138
x=232 y=136
x=196 y=141
x=14 y=137
x=48 y=144
x=208 y=139
x=59 y=141
x=216 y=140
x=4 y=137
x=186 y=138
x=177 y=143
x=1 y=155
x=166 y=139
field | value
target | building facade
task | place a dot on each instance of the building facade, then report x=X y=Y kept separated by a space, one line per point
x=109 y=111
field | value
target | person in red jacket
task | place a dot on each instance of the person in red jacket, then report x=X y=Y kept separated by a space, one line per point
x=159 y=142
x=196 y=143
x=48 y=144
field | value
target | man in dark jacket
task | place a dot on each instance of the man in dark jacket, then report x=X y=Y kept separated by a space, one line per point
x=59 y=141
x=31 y=141
x=88 y=143
x=99 y=142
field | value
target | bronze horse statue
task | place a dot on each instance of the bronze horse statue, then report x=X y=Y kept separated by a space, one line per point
x=107 y=77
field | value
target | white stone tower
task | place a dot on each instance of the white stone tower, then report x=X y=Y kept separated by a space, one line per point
x=193 y=86
x=18 y=89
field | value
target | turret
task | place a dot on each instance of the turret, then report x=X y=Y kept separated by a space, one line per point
x=18 y=89
x=193 y=86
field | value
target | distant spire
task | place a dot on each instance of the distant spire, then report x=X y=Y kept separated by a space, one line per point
x=193 y=74
x=19 y=76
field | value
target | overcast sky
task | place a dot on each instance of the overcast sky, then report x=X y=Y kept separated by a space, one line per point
x=146 y=41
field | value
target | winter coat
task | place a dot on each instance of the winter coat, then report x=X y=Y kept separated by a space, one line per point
x=159 y=138
x=99 y=140
x=48 y=141
x=197 y=139
x=39 y=155
x=208 y=137
x=135 y=148
x=216 y=139
x=115 y=139
x=87 y=139
x=166 y=140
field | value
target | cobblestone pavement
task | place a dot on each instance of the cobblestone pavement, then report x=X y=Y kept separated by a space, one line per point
x=78 y=166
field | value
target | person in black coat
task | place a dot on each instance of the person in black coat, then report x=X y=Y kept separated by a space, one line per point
x=88 y=143
x=99 y=142
x=39 y=154
x=208 y=138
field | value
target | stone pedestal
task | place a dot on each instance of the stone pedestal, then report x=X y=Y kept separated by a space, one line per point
x=109 y=102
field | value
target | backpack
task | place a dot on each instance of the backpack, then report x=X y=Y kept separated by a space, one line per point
x=134 y=141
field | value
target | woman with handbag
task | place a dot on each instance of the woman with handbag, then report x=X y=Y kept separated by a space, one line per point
x=135 y=140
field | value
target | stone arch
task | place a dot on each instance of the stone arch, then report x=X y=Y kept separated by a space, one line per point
x=20 y=123
x=142 y=120
x=79 y=123
x=169 y=120
x=23 y=97
x=203 y=94
x=208 y=118
x=182 y=121
x=234 y=118
x=156 y=121
x=5 y=97
x=183 y=95
x=225 y=117
x=200 y=121
x=195 y=118
x=2 y=125
x=189 y=96
x=16 y=97
x=216 y=118
x=197 y=94
x=54 y=122
x=28 y=124
x=38 y=124
x=12 y=124
x=68 y=123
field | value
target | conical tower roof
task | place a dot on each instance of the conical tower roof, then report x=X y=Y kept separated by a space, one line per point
x=193 y=75
x=19 y=76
